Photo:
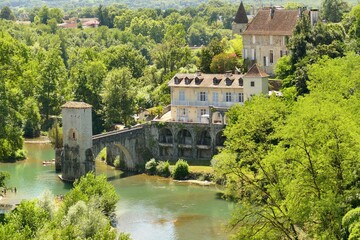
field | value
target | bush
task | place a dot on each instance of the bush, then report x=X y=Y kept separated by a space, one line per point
x=117 y=162
x=150 y=166
x=181 y=170
x=20 y=154
x=163 y=169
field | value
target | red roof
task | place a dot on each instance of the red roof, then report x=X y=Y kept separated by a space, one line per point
x=278 y=22
x=255 y=71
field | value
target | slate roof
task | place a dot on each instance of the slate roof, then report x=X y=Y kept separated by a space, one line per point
x=206 y=80
x=241 y=16
x=255 y=71
x=78 y=105
x=282 y=22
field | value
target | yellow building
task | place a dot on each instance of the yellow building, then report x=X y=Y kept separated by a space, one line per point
x=205 y=97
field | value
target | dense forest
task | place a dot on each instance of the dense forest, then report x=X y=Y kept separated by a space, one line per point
x=159 y=4
x=290 y=162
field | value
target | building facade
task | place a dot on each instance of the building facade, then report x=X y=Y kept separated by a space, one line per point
x=204 y=98
x=266 y=36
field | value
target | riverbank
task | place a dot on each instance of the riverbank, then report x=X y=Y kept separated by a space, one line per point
x=39 y=140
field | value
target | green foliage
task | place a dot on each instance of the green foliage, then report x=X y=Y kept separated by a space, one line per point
x=296 y=163
x=150 y=166
x=118 y=97
x=93 y=188
x=117 y=162
x=163 y=169
x=31 y=114
x=181 y=170
x=55 y=135
x=7 y=14
x=83 y=218
x=351 y=224
x=333 y=10
x=4 y=176
x=224 y=62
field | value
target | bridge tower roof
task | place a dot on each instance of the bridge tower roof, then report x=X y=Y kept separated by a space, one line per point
x=77 y=105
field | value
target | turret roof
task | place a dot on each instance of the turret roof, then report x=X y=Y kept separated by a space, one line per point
x=241 y=16
x=255 y=71
x=79 y=105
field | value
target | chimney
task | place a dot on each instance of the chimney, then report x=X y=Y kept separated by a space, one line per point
x=228 y=73
x=272 y=12
x=314 y=16
x=299 y=11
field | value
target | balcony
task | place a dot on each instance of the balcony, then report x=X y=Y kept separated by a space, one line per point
x=190 y=103
x=203 y=103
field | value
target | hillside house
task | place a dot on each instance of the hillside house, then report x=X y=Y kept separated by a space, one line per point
x=206 y=97
x=266 y=36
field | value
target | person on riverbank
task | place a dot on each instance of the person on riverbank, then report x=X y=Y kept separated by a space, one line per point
x=15 y=189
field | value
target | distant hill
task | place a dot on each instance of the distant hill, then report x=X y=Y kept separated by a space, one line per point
x=68 y=4
x=159 y=4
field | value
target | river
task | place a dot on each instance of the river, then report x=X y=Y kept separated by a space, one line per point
x=149 y=208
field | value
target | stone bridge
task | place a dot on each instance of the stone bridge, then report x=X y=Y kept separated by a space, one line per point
x=161 y=140
x=128 y=144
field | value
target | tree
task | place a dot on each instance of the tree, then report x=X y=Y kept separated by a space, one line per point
x=95 y=189
x=333 y=10
x=125 y=56
x=7 y=14
x=53 y=90
x=4 y=176
x=118 y=96
x=32 y=118
x=296 y=174
x=224 y=62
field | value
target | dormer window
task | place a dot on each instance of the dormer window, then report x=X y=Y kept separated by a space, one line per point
x=177 y=80
x=216 y=81
x=198 y=80
x=241 y=82
x=228 y=81
x=188 y=80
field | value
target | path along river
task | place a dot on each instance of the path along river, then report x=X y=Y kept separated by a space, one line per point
x=149 y=207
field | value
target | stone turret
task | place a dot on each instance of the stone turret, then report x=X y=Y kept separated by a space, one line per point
x=77 y=157
x=240 y=21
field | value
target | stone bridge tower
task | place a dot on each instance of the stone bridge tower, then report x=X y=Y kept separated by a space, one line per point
x=77 y=157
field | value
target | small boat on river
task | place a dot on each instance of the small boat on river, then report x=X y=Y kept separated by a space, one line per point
x=45 y=163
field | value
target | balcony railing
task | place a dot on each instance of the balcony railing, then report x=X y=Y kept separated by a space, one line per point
x=203 y=103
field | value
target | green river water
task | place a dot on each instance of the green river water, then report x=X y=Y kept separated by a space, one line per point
x=149 y=207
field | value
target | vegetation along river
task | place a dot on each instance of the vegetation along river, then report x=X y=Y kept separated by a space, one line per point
x=149 y=207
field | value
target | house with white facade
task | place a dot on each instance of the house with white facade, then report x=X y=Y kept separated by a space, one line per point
x=205 y=98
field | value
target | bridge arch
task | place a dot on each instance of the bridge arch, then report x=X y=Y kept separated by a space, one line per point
x=166 y=136
x=184 y=137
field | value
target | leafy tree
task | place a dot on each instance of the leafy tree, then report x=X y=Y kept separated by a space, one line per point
x=125 y=56
x=118 y=96
x=56 y=135
x=295 y=174
x=92 y=188
x=224 y=62
x=53 y=90
x=4 y=176
x=32 y=118
x=333 y=10
x=7 y=14
x=351 y=224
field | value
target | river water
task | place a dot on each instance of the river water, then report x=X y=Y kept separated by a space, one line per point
x=149 y=208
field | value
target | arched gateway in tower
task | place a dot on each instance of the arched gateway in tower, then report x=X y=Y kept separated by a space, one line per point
x=77 y=157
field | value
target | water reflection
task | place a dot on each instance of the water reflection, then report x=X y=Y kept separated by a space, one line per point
x=149 y=208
